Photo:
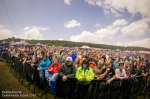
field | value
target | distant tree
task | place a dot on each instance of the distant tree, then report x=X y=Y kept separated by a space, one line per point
x=78 y=44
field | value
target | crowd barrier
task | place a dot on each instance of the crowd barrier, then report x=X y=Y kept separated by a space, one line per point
x=118 y=89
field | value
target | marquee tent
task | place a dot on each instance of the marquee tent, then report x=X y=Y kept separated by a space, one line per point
x=85 y=47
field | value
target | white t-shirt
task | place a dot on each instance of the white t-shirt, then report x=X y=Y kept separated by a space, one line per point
x=120 y=74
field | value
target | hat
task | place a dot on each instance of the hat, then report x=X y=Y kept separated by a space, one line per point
x=69 y=59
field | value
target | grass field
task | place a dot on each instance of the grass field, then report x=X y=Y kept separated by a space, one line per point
x=8 y=82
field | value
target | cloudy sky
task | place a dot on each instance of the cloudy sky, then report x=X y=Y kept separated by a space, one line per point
x=113 y=22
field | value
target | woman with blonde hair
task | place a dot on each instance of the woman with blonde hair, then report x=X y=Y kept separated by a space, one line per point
x=77 y=62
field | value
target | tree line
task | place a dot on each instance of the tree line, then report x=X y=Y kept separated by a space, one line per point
x=78 y=44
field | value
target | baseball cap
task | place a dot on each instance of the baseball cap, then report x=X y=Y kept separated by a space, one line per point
x=69 y=59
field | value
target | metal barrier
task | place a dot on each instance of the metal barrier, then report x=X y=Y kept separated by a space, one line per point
x=147 y=90
x=103 y=90
x=25 y=74
x=114 y=90
x=62 y=88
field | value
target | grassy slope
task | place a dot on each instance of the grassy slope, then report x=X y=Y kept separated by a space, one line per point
x=10 y=83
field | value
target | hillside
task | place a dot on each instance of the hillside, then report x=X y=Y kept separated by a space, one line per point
x=78 y=44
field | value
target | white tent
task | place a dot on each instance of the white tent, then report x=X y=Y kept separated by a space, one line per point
x=144 y=52
x=38 y=44
x=23 y=42
x=85 y=47
x=16 y=43
x=126 y=51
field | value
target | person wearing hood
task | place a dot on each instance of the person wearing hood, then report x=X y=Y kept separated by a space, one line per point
x=43 y=66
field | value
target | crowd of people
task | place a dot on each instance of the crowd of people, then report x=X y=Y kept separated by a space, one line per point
x=59 y=64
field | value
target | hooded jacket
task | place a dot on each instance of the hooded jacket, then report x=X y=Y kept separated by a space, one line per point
x=89 y=75
x=68 y=71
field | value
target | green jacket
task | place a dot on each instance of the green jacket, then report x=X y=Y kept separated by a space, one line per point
x=89 y=74
x=68 y=71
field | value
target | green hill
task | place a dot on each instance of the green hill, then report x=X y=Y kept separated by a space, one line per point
x=77 y=44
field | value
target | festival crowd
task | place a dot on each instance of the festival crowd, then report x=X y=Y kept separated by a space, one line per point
x=60 y=64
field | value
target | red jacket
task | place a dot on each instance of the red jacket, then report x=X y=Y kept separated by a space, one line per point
x=55 y=68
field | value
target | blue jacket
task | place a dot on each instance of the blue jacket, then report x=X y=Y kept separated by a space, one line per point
x=44 y=64
x=74 y=56
x=116 y=65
